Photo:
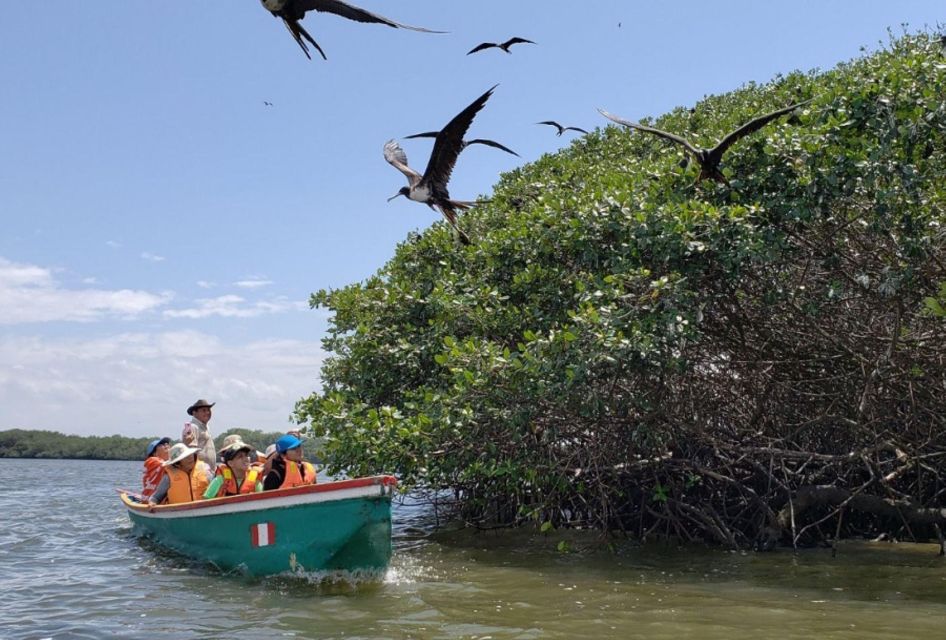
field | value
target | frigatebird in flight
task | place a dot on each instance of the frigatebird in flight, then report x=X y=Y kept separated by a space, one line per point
x=560 y=128
x=499 y=45
x=431 y=187
x=709 y=159
x=466 y=143
x=292 y=11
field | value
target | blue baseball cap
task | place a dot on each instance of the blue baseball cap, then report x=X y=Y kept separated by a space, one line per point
x=154 y=444
x=287 y=442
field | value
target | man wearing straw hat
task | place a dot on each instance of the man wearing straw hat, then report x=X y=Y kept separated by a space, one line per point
x=197 y=434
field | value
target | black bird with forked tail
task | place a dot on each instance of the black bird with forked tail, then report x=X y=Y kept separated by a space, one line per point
x=499 y=45
x=431 y=187
x=466 y=143
x=292 y=11
x=709 y=159
x=561 y=129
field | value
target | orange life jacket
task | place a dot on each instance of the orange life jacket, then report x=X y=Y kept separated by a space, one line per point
x=229 y=488
x=187 y=487
x=294 y=478
x=151 y=476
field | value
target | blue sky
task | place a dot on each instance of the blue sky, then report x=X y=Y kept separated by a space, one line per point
x=163 y=228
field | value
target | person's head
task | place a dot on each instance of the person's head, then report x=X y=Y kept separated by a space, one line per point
x=182 y=456
x=236 y=453
x=290 y=448
x=201 y=410
x=159 y=448
x=238 y=457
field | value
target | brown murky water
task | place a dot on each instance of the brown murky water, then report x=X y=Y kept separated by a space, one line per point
x=69 y=568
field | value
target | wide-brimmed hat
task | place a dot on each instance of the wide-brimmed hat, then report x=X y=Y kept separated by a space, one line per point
x=197 y=405
x=154 y=444
x=230 y=440
x=178 y=452
x=287 y=442
x=233 y=443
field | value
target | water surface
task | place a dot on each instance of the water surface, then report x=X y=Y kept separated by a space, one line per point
x=71 y=568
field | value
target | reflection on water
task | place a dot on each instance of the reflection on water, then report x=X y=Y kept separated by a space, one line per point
x=70 y=568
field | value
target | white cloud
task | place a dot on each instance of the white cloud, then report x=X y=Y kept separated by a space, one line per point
x=139 y=384
x=253 y=282
x=113 y=244
x=232 y=306
x=205 y=284
x=30 y=294
x=151 y=257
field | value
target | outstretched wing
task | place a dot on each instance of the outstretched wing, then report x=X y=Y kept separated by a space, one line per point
x=481 y=46
x=575 y=129
x=449 y=144
x=512 y=41
x=553 y=124
x=466 y=143
x=352 y=12
x=657 y=132
x=490 y=143
x=426 y=134
x=753 y=125
x=396 y=157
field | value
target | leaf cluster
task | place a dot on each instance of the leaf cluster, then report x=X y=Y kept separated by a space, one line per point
x=619 y=338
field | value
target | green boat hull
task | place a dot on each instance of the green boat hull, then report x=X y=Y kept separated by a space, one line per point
x=334 y=527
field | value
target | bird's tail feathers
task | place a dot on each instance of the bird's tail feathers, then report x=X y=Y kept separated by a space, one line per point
x=298 y=32
x=451 y=216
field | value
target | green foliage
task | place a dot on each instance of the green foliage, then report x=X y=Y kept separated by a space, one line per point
x=936 y=305
x=610 y=311
x=258 y=439
x=21 y=443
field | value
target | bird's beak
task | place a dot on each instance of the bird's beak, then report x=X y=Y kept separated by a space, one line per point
x=395 y=195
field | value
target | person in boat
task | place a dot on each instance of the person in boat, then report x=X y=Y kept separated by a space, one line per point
x=197 y=434
x=153 y=471
x=185 y=477
x=288 y=469
x=236 y=474
x=265 y=461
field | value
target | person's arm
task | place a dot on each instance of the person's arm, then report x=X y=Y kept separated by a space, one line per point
x=213 y=488
x=162 y=491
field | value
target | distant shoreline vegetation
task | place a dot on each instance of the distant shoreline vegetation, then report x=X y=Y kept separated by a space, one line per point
x=23 y=443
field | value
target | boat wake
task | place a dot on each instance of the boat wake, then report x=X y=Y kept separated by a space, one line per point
x=327 y=582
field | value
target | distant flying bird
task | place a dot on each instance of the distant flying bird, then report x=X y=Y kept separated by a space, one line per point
x=292 y=11
x=560 y=128
x=709 y=159
x=431 y=188
x=466 y=143
x=268 y=104
x=499 y=45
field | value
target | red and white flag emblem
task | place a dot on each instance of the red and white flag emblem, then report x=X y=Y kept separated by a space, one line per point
x=263 y=534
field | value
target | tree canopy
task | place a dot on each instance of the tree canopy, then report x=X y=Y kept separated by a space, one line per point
x=22 y=443
x=624 y=348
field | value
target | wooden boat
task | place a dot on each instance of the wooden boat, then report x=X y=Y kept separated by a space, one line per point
x=334 y=526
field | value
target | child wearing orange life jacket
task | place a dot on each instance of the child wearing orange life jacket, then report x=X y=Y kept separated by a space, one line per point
x=288 y=468
x=237 y=474
x=153 y=470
